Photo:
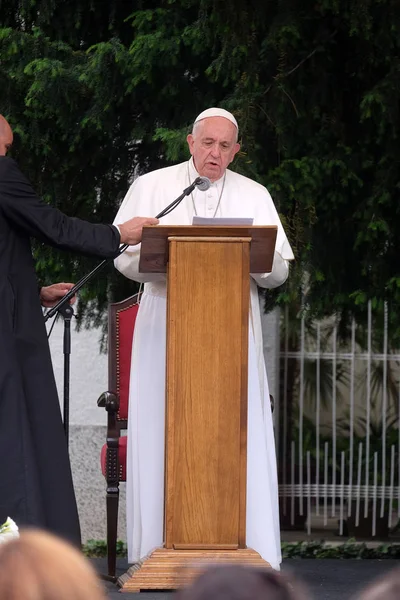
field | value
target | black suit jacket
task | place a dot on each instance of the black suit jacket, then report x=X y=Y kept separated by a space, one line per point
x=23 y=213
x=35 y=480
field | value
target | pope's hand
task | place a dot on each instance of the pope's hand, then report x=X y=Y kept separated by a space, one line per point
x=131 y=231
x=51 y=294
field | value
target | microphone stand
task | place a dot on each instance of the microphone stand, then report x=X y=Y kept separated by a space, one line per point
x=65 y=309
x=67 y=312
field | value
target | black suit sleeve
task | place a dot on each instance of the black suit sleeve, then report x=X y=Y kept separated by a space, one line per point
x=24 y=210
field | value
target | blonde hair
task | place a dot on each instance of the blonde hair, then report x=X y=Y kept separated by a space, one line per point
x=39 y=566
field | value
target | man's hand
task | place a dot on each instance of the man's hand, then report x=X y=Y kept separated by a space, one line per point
x=131 y=231
x=50 y=295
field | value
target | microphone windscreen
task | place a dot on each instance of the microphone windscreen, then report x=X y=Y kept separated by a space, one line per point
x=203 y=183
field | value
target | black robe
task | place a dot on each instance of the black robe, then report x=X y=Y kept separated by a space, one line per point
x=35 y=476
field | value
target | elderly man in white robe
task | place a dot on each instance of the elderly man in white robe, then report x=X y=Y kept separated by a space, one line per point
x=213 y=146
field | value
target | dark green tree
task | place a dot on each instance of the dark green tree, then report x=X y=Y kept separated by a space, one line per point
x=99 y=91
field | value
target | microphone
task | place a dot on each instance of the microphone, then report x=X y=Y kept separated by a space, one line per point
x=203 y=183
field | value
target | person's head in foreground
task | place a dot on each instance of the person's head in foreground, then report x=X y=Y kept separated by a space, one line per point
x=384 y=588
x=213 y=142
x=39 y=566
x=237 y=582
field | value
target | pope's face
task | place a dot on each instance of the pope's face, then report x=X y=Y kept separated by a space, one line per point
x=213 y=146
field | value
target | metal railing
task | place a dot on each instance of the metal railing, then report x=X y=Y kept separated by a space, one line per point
x=339 y=423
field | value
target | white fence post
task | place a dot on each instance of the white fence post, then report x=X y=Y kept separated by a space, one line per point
x=342 y=390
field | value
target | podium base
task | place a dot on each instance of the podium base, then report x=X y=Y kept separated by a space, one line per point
x=168 y=569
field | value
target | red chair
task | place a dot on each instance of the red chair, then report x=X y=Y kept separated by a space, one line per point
x=121 y=323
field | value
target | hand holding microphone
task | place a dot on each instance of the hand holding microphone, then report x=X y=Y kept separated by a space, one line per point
x=131 y=234
x=134 y=226
x=131 y=231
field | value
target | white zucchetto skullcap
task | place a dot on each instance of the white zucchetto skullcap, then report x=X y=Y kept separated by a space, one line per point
x=217 y=112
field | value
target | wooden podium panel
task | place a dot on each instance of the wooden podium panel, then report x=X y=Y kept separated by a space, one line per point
x=206 y=422
x=208 y=298
x=155 y=241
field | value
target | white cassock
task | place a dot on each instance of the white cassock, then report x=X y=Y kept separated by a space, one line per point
x=237 y=196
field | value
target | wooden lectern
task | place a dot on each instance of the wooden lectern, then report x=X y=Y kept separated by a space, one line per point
x=206 y=414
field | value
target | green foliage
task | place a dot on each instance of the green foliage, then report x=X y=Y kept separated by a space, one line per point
x=350 y=549
x=318 y=550
x=98 y=92
x=98 y=548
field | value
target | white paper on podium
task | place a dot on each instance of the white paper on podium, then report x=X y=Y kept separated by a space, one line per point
x=221 y=222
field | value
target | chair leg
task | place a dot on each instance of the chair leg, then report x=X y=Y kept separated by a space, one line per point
x=112 y=528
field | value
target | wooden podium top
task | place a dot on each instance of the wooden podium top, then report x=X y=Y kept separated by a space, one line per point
x=154 y=253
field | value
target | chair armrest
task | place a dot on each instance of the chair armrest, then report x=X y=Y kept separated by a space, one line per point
x=109 y=401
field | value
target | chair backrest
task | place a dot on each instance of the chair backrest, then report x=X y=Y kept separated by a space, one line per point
x=121 y=324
